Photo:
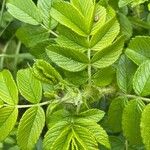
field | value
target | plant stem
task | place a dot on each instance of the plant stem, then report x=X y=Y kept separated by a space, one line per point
x=28 y=106
x=49 y=30
x=16 y=58
x=23 y=55
x=136 y=97
x=2 y=10
x=89 y=68
x=4 y=51
x=126 y=145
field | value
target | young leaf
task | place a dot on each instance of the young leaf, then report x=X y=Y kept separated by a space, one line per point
x=105 y=35
x=104 y=76
x=145 y=128
x=73 y=20
x=125 y=73
x=68 y=59
x=8 y=118
x=115 y=113
x=32 y=35
x=108 y=55
x=25 y=11
x=141 y=80
x=8 y=88
x=29 y=87
x=131 y=121
x=30 y=127
x=45 y=72
x=138 y=49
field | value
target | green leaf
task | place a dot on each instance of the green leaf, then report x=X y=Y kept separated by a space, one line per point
x=63 y=141
x=1 y=103
x=54 y=133
x=29 y=87
x=73 y=20
x=92 y=114
x=30 y=127
x=68 y=59
x=138 y=49
x=99 y=19
x=96 y=130
x=85 y=138
x=8 y=88
x=115 y=113
x=45 y=72
x=70 y=39
x=141 y=80
x=134 y=3
x=125 y=73
x=125 y=26
x=104 y=77
x=25 y=11
x=87 y=9
x=39 y=50
x=32 y=35
x=117 y=143
x=105 y=35
x=8 y=118
x=145 y=128
x=76 y=78
x=57 y=116
x=131 y=121
x=108 y=55
x=45 y=7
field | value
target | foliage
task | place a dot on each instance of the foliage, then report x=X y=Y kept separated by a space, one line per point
x=79 y=74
